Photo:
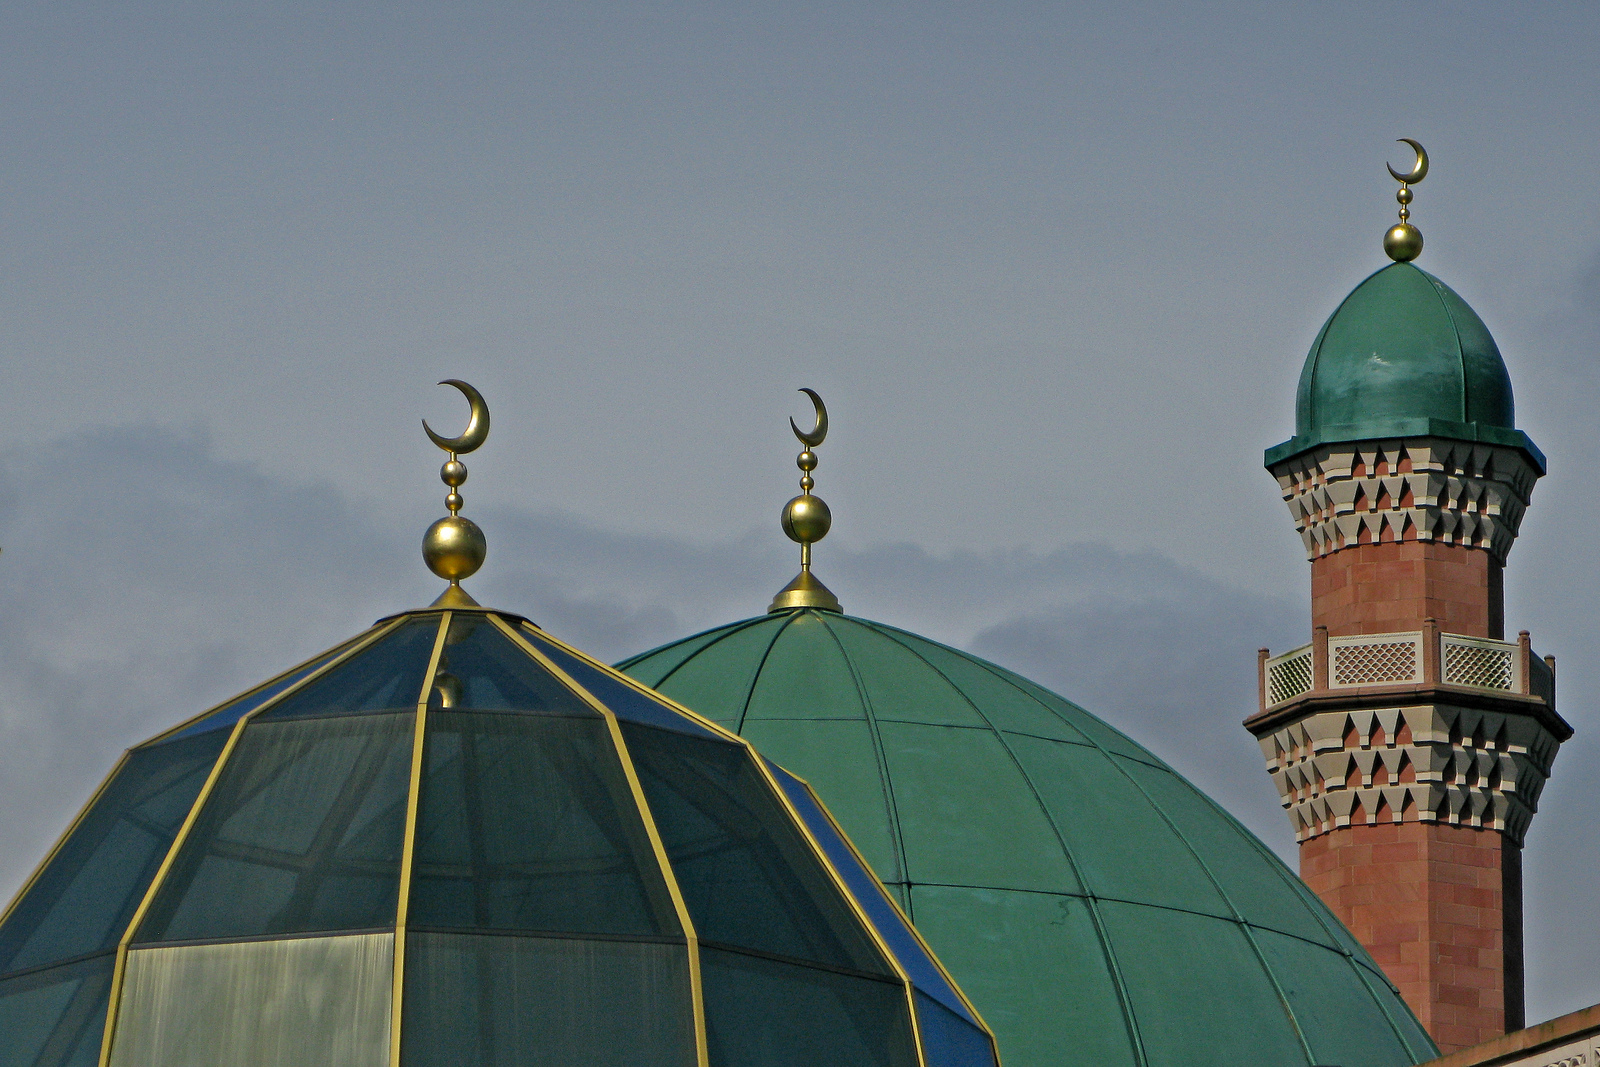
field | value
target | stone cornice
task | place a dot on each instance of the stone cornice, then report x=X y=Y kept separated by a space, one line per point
x=1377 y=696
x=1407 y=489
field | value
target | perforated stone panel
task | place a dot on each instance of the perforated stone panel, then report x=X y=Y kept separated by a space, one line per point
x=1374 y=660
x=1479 y=664
x=1289 y=676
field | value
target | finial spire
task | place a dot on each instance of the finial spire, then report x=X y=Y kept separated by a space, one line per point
x=1403 y=242
x=454 y=547
x=806 y=519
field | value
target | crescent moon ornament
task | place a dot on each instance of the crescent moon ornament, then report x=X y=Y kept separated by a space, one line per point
x=477 y=426
x=1419 y=170
x=820 y=431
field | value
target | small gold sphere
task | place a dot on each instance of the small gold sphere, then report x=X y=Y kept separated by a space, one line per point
x=454 y=548
x=806 y=461
x=1403 y=242
x=454 y=501
x=1403 y=194
x=453 y=473
x=806 y=519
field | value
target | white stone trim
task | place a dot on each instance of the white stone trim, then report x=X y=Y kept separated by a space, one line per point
x=1409 y=489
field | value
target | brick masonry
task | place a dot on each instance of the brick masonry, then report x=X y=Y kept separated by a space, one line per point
x=1404 y=536
x=1440 y=909
x=1384 y=588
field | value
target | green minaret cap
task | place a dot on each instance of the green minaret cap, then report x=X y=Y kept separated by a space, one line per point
x=1404 y=356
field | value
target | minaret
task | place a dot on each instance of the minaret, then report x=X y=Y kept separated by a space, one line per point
x=1409 y=740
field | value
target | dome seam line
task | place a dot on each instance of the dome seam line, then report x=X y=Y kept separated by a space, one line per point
x=755 y=675
x=1455 y=331
x=1322 y=335
x=1261 y=959
x=886 y=779
x=1124 y=997
x=731 y=630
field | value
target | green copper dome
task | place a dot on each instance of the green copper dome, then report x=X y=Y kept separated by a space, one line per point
x=1404 y=356
x=1098 y=908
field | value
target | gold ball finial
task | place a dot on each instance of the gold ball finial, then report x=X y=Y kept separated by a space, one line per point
x=454 y=547
x=806 y=520
x=1403 y=242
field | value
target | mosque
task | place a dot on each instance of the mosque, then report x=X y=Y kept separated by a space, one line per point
x=807 y=839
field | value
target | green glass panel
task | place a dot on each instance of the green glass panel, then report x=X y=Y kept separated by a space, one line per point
x=967 y=814
x=1341 y=1020
x=474 y=1000
x=386 y=675
x=55 y=1017
x=1033 y=966
x=763 y=1011
x=840 y=761
x=707 y=685
x=291 y=1003
x=526 y=822
x=482 y=669
x=651 y=667
x=1005 y=705
x=900 y=684
x=1257 y=883
x=224 y=717
x=302 y=833
x=748 y=876
x=1099 y=810
x=85 y=897
x=1218 y=1009
x=805 y=676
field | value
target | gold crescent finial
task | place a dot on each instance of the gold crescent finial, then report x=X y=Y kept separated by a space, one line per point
x=1403 y=242
x=1419 y=169
x=819 y=432
x=477 y=430
x=454 y=547
x=806 y=519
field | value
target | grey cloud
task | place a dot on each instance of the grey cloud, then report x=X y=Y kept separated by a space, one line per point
x=144 y=578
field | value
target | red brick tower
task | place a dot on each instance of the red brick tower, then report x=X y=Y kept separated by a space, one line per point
x=1409 y=741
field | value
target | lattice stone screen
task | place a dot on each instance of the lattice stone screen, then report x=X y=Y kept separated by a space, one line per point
x=1374 y=659
x=1289 y=675
x=1480 y=664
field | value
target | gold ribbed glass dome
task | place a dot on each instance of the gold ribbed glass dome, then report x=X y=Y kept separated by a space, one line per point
x=454 y=840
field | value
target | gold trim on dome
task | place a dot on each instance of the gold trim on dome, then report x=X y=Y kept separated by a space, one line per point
x=657 y=845
x=408 y=847
x=62 y=840
x=343 y=646
x=119 y=969
x=915 y=933
x=816 y=847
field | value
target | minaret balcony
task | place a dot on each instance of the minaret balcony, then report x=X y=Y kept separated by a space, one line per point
x=1410 y=726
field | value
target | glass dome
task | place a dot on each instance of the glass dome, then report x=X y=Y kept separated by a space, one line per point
x=455 y=840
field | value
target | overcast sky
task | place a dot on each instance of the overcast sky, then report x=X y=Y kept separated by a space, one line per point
x=1054 y=269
